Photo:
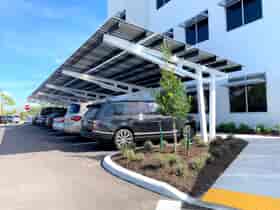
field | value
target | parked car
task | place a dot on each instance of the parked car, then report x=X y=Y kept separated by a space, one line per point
x=58 y=124
x=59 y=112
x=16 y=119
x=125 y=122
x=3 y=120
x=45 y=112
x=73 y=118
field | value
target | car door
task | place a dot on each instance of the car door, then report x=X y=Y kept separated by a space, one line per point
x=146 y=122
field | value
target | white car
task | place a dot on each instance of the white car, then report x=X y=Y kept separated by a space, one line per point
x=16 y=119
x=73 y=118
x=58 y=124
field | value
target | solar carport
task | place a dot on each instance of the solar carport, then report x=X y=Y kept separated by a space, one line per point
x=122 y=58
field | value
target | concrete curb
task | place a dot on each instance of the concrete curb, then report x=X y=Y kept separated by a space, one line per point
x=159 y=187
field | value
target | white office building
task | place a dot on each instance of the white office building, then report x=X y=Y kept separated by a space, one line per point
x=245 y=31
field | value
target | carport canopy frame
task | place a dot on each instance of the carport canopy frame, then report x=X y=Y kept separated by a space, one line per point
x=140 y=49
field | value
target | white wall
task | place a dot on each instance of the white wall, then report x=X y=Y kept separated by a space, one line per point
x=136 y=11
x=255 y=46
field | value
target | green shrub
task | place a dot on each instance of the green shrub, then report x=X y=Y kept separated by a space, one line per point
x=198 y=163
x=169 y=159
x=277 y=128
x=227 y=127
x=261 y=129
x=180 y=170
x=148 y=146
x=244 y=129
x=132 y=156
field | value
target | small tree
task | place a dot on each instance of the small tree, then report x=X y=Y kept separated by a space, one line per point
x=6 y=100
x=172 y=98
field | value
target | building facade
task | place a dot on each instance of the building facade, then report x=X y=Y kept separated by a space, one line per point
x=244 y=31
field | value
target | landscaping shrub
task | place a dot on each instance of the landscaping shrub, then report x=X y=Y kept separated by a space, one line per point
x=180 y=170
x=132 y=156
x=244 y=129
x=198 y=163
x=261 y=129
x=227 y=127
x=199 y=142
x=148 y=146
x=277 y=129
x=169 y=159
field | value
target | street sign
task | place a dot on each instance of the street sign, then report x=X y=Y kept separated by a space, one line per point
x=27 y=107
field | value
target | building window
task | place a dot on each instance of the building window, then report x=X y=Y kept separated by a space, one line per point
x=161 y=3
x=243 y=12
x=194 y=102
x=197 y=31
x=257 y=98
x=249 y=97
x=237 y=99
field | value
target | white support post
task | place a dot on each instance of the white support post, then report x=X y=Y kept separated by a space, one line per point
x=201 y=105
x=212 y=114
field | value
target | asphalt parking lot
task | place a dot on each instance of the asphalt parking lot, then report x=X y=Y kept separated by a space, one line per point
x=43 y=169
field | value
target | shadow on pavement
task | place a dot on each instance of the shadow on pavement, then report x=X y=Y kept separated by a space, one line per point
x=30 y=139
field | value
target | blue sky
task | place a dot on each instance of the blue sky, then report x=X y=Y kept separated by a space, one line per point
x=36 y=36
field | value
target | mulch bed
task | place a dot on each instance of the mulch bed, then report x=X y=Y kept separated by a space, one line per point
x=195 y=181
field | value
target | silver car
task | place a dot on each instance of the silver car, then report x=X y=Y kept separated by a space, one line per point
x=73 y=118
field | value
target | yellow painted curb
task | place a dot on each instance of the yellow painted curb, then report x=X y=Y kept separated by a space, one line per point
x=242 y=201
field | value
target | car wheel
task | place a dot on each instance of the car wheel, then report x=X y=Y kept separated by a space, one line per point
x=123 y=137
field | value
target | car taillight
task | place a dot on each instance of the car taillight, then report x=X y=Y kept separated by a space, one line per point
x=61 y=121
x=76 y=118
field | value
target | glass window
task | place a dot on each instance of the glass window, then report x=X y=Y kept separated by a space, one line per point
x=90 y=114
x=161 y=3
x=74 y=109
x=203 y=30
x=237 y=99
x=194 y=102
x=252 y=10
x=191 y=35
x=234 y=16
x=257 y=98
x=197 y=32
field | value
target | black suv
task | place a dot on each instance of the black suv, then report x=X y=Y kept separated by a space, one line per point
x=124 y=122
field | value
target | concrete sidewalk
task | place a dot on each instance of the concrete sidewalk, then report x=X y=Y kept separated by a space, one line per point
x=252 y=180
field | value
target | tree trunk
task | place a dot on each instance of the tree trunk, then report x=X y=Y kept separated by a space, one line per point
x=175 y=135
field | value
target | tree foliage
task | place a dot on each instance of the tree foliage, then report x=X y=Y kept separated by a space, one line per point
x=172 y=97
x=6 y=100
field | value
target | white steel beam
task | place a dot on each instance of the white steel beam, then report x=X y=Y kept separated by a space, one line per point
x=212 y=113
x=76 y=92
x=97 y=68
x=201 y=105
x=157 y=57
x=147 y=54
x=109 y=84
x=60 y=98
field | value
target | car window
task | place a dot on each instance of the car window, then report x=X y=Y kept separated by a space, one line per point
x=90 y=114
x=74 y=109
x=134 y=108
